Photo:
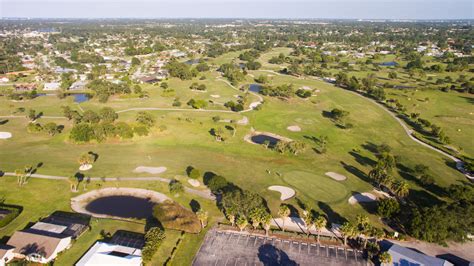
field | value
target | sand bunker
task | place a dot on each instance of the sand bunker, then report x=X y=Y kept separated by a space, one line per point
x=194 y=183
x=150 y=170
x=5 y=135
x=244 y=121
x=361 y=198
x=294 y=128
x=254 y=105
x=85 y=167
x=215 y=96
x=336 y=176
x=306 y=88
x=286 y=192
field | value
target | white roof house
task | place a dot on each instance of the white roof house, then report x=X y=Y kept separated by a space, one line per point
x=405 y=256
x=47 y=227
x=106 y=254
x=51 y=86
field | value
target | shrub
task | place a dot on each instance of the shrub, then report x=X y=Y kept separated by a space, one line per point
x=194 y=173
x=388 y=207
x=174 y=216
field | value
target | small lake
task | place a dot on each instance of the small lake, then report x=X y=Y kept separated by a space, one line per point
x=255 y=88
x=391 y=63
x=261 y=139
x=80 y=97
x=122 y=206
x=192 y=62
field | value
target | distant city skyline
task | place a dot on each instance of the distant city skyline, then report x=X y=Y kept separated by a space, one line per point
x=300 y=9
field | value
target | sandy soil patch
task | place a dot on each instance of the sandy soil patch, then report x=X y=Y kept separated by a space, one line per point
x=336 y=176
x=286 y=192
x=150 y=170
x=215 y=96
x=194 y=182
x=362 y=197
x=85 y=167
x=294 y=128
x=5 y=135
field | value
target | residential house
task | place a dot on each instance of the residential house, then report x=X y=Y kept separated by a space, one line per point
x=25 y=87
x=38 y=246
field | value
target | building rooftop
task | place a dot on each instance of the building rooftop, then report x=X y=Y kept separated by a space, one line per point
x=110 y=254
x=405 y=256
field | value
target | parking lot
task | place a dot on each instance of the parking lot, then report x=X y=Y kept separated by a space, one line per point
x=232 y=248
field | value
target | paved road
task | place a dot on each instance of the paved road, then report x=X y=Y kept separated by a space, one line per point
x=202 y=193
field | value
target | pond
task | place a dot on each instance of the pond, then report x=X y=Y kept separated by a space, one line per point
x=261 y=139
x=391 y=63
x=122 y=206
x=80 y=97
x=255 y=88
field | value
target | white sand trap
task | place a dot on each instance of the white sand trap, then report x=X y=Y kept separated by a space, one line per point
x=85 y=167
x=215 y=96
x=336 y=176
x=5 y=135
x=244 y=121
x=286 y=192
x=150 y=170
x=362 y=197
x=254 y=104
x=306 y=88
x=194 y=182
x=294 y=128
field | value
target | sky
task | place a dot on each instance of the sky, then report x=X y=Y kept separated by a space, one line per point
x=342 y=9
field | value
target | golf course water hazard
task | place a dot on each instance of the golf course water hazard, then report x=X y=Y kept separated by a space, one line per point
x=122 y=206
x=261 y=139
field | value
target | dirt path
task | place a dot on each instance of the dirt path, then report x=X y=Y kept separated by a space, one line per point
x=201 y=193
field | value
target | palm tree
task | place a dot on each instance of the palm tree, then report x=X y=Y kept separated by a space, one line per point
x=377 y=233
x=348 y=230
x=308 y=220
x=202 y=216
x=363 y=227
x=86 y=158
x=242 y=223
x=385 y=258
x=231 y=219
x=72 y=183
x=284 y=212
x=266 y=222
x=401 y=189
x=19 y=175
x=320 y=223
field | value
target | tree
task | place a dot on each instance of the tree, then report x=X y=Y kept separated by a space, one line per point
x=320 y=224
x=266 y=222
x=388 y=207
x=52 y=128
x=86 y=158
x=202 y=216
x=194 y=173
x=231 y=218
x=256 y=216
x=385 y=258
x=401 y=189
x=108 y=115
x=72 y=183
x=175 y=187
x=32 y=115
x=90 y=117
x=242 y=223
x=153 y=239
x=146 y=119
x=348 y=230
x=308 y=220
x=363 y=227
x=284 y=212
